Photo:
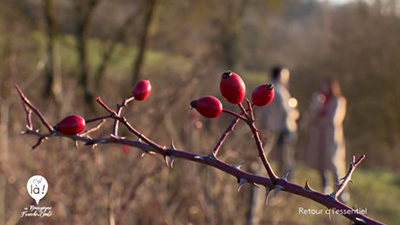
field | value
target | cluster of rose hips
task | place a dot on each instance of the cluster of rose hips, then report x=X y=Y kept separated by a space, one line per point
x=233 y=90
x=74 y=124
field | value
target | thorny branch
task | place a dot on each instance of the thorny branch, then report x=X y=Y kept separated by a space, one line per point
x=329 y=201
x=124 y=121
x=347 y=178
x=260 y=148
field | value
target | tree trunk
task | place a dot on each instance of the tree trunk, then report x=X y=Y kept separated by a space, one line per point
x=84 y=13
x=231 y=35
x=138 y=63
x=4 y=121
x=5 y=99
x=53 y=78
x=83 y=64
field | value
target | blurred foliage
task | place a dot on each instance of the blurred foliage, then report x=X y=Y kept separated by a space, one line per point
x=190 y=44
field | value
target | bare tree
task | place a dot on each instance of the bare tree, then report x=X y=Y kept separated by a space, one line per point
x=53 y=77
x=149 y=8
x=84 y=13
x=231 y=32
x=11 y=73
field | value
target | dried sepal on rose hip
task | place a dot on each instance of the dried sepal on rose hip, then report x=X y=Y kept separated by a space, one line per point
x=232 y=87
x=141 y=90
x=71 y=125
x=208 y=106
x=263 y=94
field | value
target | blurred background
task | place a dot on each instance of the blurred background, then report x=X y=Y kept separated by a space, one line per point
x=64 y=53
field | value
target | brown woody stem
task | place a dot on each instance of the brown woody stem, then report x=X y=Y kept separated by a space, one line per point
x=347 y=177
x=242 y=108
x=234 y=114
x=28 y=116
x=225 y=135
x=124 y=121
x=260 y=147
x=98 y=118
x=37 y=112
x=97 y=127
x=119 y=111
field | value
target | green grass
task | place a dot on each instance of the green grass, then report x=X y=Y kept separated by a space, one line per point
x=379 y=191
x=121 y=60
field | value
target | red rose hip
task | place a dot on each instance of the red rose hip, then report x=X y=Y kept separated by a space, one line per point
x=71 y=125
x=232 y=87
x=141 y=90
x=263 y=94
x=208 y=106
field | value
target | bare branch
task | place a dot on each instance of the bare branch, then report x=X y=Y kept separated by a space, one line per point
x=37 y=112
x=97 y=127
x=120 y=107
x=234 y=114
x=98 y=118
x=225 y=135
x=260 y=147
x=124 y=121
x=28 y=116
x=347 y=178
x=270 y=183
x=244 y=112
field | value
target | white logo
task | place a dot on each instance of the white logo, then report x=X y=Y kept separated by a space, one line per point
x=37 y=187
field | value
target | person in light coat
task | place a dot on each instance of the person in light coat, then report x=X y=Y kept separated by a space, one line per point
x=278 y=129
x=326 y=150
x=278 y=125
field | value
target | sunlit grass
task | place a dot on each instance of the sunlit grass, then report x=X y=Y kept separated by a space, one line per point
x=121 y=61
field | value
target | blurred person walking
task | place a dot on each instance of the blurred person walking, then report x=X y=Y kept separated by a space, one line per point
x=279 y=121
x=278 y=129
x=326 y=151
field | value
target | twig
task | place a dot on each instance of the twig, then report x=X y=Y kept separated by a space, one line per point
x=97 y=127
x=228 y=130
x=28 y=116
x=242 y=108
x=225 y=135
x=234 y=114
x=97 y=119
x=41 y=137
x=260 y=147
x=250 y=106
x=124 y=121
x=37 y=112
x=347 y=177
x=113 y=113
x=120 y=107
